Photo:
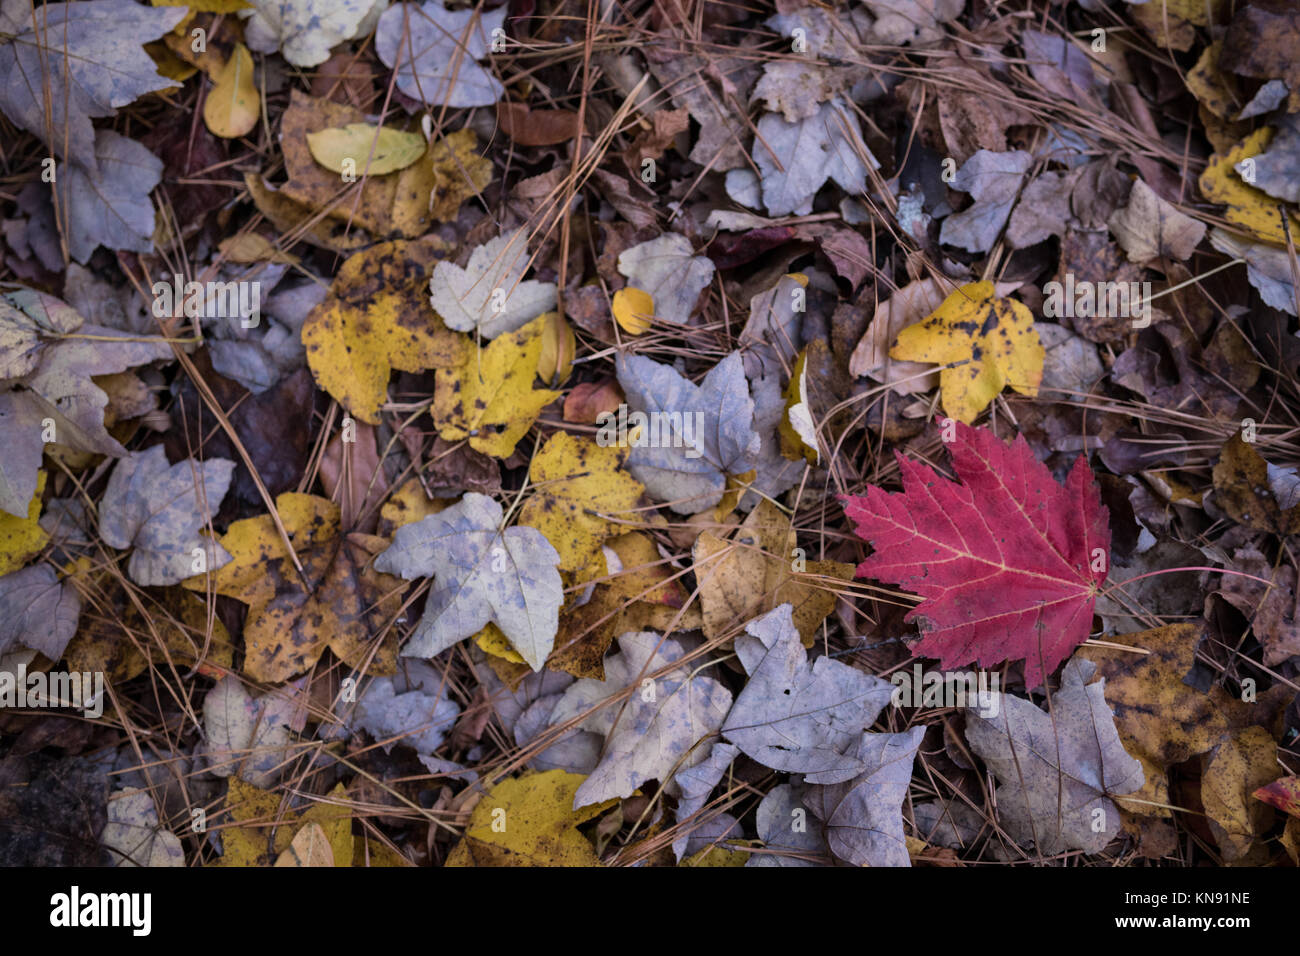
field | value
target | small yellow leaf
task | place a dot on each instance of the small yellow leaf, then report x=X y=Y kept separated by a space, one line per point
x=377 y=318
x=558 y=346
x=633 y=310
x=529 y=821
x=987 y=343
x=258 y=828
x=22 y=538
x=233 y=106
x=360 y=148
x=1248 y=207
x=580 y=493
x=489 y=398
x=249 y=247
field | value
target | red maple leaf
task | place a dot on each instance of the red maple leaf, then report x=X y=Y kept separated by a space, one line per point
x=1003 y=560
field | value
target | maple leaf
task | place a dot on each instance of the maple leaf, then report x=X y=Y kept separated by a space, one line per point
x=339 y=601
x=68 y=63
x=578 y=483
x=376 y=319
x=489 y=397
x=1006 y=561
x=984 y=341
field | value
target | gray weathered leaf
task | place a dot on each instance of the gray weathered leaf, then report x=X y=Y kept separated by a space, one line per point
x=158 y=510
x=487 y=294
x=776 y=473
x=994 y=180
x=706 y=431
x=74 y=62
x=771 y=337
x=1149 y=227
x=133 y=835
x=653 y=733
x=1071 y=363
x=863 y=817
x=949 y=823
x=799 y=717
x=55 y=371
x=436 y=51
x=668 y=269
x=303 y=30
x=109 y=207
x=692 y=786
x=252 y=736
x=412 y=706
x=37 y=611
x=1057 y=770
x=911 y=21
x=1277 y=169
x=525 y=712
x=1267 y=267
x=786 y=828
x=1043 y=210
x=795 y=159
x=481 y=574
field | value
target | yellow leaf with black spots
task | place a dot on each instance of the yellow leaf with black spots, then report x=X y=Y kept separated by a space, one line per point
x=529 y=821
x=377 y=318
x=489 y=397
x=339 y=601
x=407 y=505
x=581 y=494
x=1252 y=209
x=984 y=342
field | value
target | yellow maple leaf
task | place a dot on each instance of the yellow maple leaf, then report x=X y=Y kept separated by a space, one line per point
x=376 y=318
x=1248 y=207
x=489 y=397
x=578 y=488
x=529 y=821
x=339 y=601
x=986 y=343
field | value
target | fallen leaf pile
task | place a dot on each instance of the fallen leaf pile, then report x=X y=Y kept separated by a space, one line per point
x=705 y=434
